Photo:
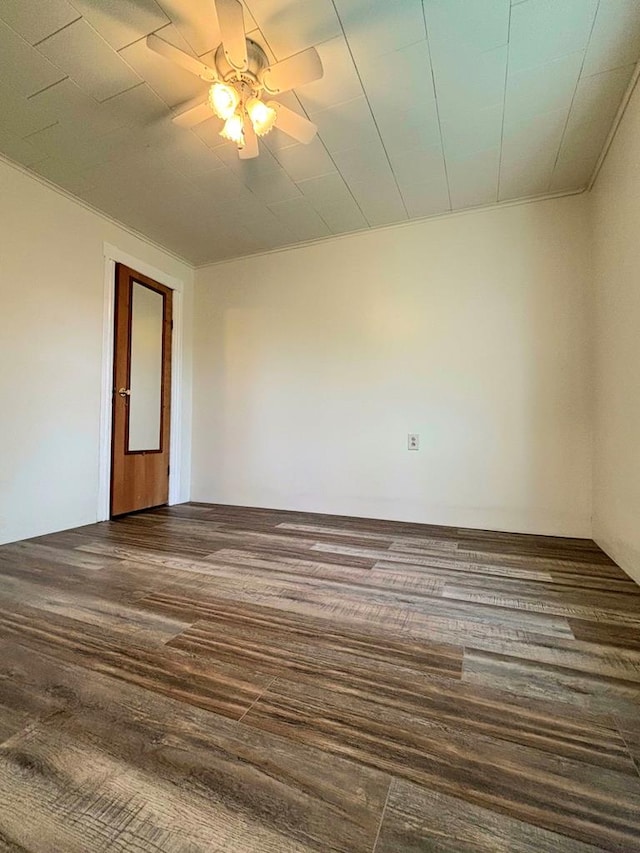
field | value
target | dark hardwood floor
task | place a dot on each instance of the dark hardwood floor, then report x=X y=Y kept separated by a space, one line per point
x=207 y=678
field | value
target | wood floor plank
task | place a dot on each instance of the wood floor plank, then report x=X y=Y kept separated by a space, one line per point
x=425 y=600
x=93 y=609
x=605 y=688
x=606 y=634
x=237 y=562
x=400 y=560
x=257 y=624
x=212 y=678
x=418 y=820
x=336 y=665
x=617 y=610
x=21 y=702
x=591 y=804
x=125 y=770
x=219 y=688
x=275 y=652
x=503 y=577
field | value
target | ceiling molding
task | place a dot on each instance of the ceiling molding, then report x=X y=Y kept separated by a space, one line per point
x=406 y=223
x=101 y=214
x=614 y=127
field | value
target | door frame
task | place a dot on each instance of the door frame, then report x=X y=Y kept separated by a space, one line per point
x=113 y=255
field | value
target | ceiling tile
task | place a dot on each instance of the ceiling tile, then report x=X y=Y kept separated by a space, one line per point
x=473 y=130
x=301 y=219
x=273 y=187
x=23 y=69
x=66 y=103
x=542 y=30
x=363 y=163
x=191 y=157
x=223 y=187
x=594 y=107
x=19 y=115
x=572 y=174
x=271 y=231
x=209 y=132
x=79 y=181
x=393 y=109
x=529 y=153
x=137 y=106
x=377 y=27
x=427 y=198
x=325 y=191
x=418 y=165
x=339 y=82
x=380 y=201
x=542 y=88
x=172 y=83
x=600 y=93
x=458 y=24
x=400 y=81
x=226 y=220
x=290 y=26
x=473 y=180
x=18 y=149
x=305 y=161
x=468 y=81
x=63 y=142
x=342 y=218
x=541 y=132
x=339 y=126
x=197 y=22
x=34 y=20
x=615 y=39
x=80 y=52
x=407 y=131
x=523 y=177
x=120 y=23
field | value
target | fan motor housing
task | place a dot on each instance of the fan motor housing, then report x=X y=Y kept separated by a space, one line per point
x=257 y=63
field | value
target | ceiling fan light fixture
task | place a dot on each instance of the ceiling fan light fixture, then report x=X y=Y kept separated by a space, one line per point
x=234 y=129
x=223 y=100
x=263 y=116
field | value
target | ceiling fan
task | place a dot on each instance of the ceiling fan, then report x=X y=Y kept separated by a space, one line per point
x=240 y=77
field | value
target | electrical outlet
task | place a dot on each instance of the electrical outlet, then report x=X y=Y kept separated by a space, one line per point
x=413 y=441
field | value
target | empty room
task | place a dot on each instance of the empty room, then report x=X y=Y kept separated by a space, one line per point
x=319 y=426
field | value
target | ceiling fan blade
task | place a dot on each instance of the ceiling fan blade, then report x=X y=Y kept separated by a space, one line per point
x=298 y=127
x=250 y=149
x=304 y=67
x=172 y=53
x=192 y=113
x=234 y=41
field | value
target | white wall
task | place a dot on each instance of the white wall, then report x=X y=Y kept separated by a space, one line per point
x=312 y=365
x=51 y=315
x=616 y=236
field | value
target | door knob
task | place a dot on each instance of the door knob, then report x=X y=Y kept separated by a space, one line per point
x=124 y=392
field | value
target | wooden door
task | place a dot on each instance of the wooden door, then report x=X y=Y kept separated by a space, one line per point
x=141 y=393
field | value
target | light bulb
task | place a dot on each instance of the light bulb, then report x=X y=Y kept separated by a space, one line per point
x=262 y=116
x=234 y=129
x=223 y=100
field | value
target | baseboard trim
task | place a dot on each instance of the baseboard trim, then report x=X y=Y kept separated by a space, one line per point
x=410 y=522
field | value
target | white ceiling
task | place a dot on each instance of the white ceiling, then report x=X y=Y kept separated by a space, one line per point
x=425 y=106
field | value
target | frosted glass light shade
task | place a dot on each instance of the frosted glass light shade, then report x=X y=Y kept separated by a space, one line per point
x=223 y=100
x=262 y=116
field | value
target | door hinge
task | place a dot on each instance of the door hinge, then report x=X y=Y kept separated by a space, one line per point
x=172 y=325
x=168 y=469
